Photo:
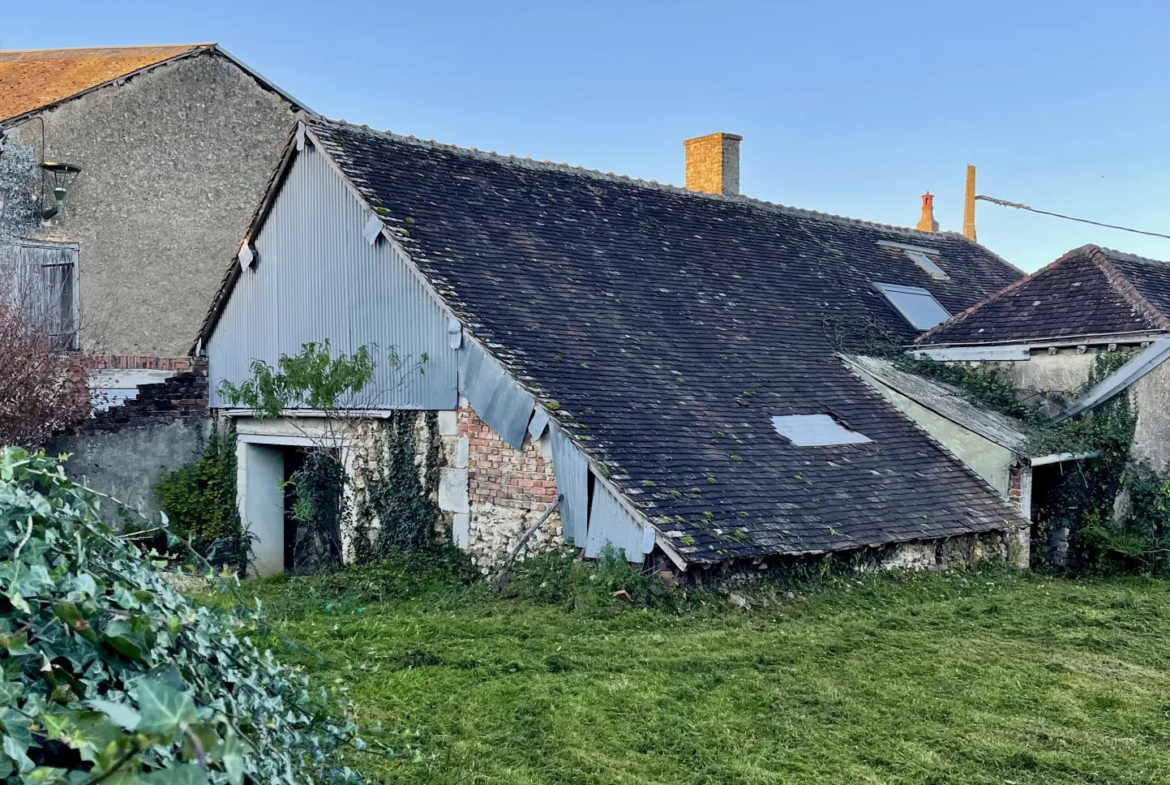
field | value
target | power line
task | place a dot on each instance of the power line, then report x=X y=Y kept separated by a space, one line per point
x=1016 y=205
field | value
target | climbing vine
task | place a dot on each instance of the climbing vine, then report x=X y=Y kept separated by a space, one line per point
x=320 y=506
x=399 y=489
x=1107 y=514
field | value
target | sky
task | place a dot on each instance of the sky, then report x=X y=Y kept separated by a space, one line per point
x=853 y=108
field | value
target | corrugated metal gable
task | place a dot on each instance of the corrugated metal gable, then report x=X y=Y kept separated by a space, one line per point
x=315 y=278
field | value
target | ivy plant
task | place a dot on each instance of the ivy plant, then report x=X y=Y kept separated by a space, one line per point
x=110 y=674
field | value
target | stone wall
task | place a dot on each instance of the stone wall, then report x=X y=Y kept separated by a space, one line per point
x=968 y=550
x=493 y=492
x=125 y=450
x=174 y=161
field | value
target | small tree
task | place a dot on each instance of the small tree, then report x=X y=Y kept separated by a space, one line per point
x=43 y=390
x=331 y=387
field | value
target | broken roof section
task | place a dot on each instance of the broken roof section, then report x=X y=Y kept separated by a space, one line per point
x=947 y=402
x=35 y=79
x=1090 y=291
x=663 y=330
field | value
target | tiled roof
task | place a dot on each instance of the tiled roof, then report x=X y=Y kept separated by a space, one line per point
x=670 y=327
x=34 y=79
x=1088 y=291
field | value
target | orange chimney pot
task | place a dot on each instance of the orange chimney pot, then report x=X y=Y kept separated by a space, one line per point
x=927 y=222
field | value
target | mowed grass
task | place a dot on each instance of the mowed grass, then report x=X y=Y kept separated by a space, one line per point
x=977 y=677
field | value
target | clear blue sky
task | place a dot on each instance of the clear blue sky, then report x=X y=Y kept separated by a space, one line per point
x=853 y=107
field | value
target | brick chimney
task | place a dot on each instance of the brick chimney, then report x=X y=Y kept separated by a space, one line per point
x=713 y=164
x=927 y=222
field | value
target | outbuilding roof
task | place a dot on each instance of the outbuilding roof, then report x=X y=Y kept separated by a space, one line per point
x=1090 y=291
x=664 y=330
x=35 y=79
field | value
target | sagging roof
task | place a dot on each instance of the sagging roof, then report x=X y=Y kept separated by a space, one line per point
x=36 y=79
x=665 y=329
x=1090 y=291
x=947 y=402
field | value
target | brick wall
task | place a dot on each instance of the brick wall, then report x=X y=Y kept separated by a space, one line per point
x=501 y=475
x=712 y=164
x=124 y=362
x=507 y=490
x=181 y=397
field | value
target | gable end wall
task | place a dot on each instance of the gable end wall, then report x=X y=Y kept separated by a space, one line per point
x=174 y=161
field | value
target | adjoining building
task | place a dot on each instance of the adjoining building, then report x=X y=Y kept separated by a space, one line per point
x=1091 y=326
x=127 y=175
x=667 y=361
x=142 y=165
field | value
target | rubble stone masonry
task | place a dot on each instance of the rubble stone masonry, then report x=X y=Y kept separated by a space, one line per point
x=506 y=490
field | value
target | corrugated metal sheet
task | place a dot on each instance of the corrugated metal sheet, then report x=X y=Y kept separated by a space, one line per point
x=609 y=522
x=572 y=474
x=1122 y=379
x=315 y=278
x=496 y=398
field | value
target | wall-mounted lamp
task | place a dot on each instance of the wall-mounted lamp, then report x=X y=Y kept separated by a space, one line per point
x=63 y=174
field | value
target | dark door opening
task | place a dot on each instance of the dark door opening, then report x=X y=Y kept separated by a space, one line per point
x=294 y=461
x=315 y=480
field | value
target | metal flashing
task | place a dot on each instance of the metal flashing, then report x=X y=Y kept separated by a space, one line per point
x=497 y=399
x=610 y=523
x=572 y=473
x=1122 y=379
x=372 y=229
x=247 y=256
x=538 y=424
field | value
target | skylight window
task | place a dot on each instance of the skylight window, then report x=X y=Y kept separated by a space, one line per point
x=917 y=306
x=926 y=263
x=816 y=430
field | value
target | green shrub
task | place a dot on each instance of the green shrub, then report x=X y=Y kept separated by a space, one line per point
x=200 y=500
x=112 y=675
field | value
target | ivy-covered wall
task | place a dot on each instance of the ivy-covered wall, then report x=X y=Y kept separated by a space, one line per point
x=395 y=473
x=1110 y=513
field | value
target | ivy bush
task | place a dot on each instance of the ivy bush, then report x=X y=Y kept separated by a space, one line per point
x=200 y=501
x=112 y=675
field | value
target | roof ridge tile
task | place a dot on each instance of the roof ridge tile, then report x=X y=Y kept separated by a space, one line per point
x=547 y=165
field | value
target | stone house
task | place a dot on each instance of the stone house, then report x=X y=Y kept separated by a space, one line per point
x=664 y=361
x=174 y=146
x=1050 y=332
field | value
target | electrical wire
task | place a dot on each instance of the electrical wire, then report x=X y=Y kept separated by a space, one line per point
x=1018 y=206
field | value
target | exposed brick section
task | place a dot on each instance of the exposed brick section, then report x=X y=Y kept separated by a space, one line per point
x=501 y=475
x=1015 y=483
x=181 y=397
x=133 y=361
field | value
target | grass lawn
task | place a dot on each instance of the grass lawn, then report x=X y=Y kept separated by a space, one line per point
x=978 y=677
